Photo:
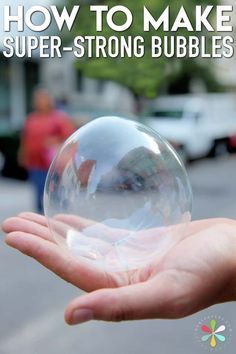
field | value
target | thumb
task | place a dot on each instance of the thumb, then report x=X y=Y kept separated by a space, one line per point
x=133 y=302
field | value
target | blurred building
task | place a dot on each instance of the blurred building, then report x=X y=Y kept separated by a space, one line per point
x=64 y=80
x=18 y=77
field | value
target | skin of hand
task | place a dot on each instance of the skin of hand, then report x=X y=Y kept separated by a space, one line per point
x=197 y=272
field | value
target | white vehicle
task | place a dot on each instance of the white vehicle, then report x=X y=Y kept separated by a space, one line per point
x=196 y=125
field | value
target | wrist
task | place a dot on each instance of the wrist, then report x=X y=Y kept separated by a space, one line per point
x=228 y=292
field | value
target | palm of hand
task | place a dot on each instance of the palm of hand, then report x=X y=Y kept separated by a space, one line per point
x=192 y=275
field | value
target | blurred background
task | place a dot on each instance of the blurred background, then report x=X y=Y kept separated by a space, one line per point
x=191 y=103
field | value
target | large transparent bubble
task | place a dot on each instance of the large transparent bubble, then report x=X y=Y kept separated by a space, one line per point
x=117 y=194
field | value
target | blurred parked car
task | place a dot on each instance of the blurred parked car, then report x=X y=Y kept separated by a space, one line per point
x=232 y=143
x=9 y=145
x=196 y=126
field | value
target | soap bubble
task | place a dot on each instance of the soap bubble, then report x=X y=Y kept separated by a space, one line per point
x=117 y=195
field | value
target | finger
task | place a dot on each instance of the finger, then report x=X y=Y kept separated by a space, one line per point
x=77 y=222
x=77 y=271
x=200 y=225
x=26 y=225
x=80 y=243
x=91 y=228
x=139 y=301
x=39 y=219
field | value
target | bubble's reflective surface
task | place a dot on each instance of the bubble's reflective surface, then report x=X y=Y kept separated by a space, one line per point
x=117 y=194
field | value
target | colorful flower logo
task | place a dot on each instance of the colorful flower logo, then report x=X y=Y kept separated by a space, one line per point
x=213 y=333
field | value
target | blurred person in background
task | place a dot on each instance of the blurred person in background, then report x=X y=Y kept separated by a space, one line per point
x=45 y=130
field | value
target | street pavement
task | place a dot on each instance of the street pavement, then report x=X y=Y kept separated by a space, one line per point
x=32 y=300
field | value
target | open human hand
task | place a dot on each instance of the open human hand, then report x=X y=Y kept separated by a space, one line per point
x=197 y=272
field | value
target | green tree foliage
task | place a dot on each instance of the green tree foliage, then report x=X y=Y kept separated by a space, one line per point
x=146 y=76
